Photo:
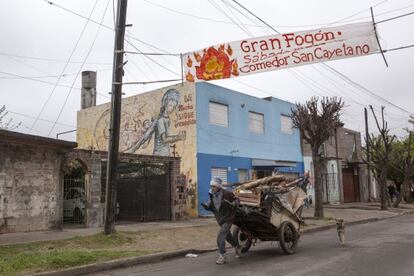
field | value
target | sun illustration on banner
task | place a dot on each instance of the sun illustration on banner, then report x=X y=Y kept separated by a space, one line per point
x=213 y=64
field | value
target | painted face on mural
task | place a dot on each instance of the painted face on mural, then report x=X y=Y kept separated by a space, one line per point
x=171 y=105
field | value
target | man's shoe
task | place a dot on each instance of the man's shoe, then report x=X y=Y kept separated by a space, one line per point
x=221 y=259
x=237 y=250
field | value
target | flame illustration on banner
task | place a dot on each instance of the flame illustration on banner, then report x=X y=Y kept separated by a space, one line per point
x=213 y=64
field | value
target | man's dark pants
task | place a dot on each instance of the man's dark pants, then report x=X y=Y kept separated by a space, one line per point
x=223 y=235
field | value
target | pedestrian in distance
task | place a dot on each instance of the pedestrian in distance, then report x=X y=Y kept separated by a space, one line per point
x=391 y=192
x=223 y=204
x=303 y=184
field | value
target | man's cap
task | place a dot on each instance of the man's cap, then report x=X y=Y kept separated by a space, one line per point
x=216 y=182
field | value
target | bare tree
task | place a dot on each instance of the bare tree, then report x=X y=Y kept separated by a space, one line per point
x=380 y=149
x=317 y=122
x=5 y=123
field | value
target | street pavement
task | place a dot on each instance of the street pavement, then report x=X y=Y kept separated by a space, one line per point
x=379 y=248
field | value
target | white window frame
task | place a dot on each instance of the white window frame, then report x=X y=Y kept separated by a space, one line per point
x=247 y=174
x=218 y=114
x=220 y=172
x=283 y=124
x=255 y=121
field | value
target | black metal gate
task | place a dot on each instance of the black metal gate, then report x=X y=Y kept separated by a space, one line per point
x=143 y=191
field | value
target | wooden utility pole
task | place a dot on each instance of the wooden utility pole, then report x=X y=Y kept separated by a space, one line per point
x=113 y=146
x=367 y=151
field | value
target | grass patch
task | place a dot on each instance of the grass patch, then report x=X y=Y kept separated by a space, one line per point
x=54 y=255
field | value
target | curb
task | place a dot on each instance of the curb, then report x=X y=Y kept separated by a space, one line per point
x=122 y=263
x=159 y=257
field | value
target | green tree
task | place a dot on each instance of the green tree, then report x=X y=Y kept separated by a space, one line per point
x=400 y=168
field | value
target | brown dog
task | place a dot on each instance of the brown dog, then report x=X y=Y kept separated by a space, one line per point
x=340 y=227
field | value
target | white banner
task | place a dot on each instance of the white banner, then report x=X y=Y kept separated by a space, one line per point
x=276 y=52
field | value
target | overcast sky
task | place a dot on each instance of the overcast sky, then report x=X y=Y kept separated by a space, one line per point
x=38 y=38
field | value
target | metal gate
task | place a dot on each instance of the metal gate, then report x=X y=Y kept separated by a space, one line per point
x=143 y=191
x=74 y=200
x=330 y=187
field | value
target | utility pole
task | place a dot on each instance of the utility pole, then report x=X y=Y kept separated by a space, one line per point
x=113 y=146
x=368 y=157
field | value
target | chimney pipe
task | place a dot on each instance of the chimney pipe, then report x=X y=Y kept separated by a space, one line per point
x=88 y=93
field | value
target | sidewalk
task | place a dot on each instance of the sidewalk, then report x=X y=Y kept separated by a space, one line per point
x=70 y=231
x=350 y=212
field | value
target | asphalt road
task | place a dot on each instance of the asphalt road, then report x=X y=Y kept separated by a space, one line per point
x=379 y=248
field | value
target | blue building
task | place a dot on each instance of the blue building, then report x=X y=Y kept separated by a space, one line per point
x=241 y=136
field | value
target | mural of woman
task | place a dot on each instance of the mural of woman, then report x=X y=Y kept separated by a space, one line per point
x=160 y=127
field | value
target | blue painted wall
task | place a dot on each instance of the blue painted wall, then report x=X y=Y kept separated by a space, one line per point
x=234 y=146
x=273 y=144
x=207 y=161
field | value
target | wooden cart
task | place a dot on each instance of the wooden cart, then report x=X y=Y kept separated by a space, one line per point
x=270 y=213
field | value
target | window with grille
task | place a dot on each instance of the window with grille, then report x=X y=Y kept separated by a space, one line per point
x=256 y=122
x=220 y=173
x=286 y=124
x=218 y=114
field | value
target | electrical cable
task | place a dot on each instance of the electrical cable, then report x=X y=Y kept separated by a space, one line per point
x=279 y=26
x=66 y=64
x=359 y=86
x=80 y=69
x=37 y=80
x=51 y=59
x=46 y=82
x=394 y=18
x=40 y=119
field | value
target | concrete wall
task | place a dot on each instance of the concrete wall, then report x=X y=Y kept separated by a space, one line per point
x=30 y=188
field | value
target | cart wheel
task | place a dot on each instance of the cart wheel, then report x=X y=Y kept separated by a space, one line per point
x=242 y=238
x=288 y=237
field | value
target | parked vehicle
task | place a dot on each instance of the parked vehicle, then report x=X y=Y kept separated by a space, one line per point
x=74 y=205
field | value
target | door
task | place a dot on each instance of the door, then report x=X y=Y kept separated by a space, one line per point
x=350 y=182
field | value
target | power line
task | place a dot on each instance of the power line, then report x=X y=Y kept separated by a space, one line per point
x=278 y=26
x=37 y=80
x=51 y=59
x=103 y=25
x=361 y=87
x=355 y=84
x=37 y=77
x=393 y=18
x=80 y=69
x=46 y=76
x=66 y=64
x=46 y=82
x=40 y=119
